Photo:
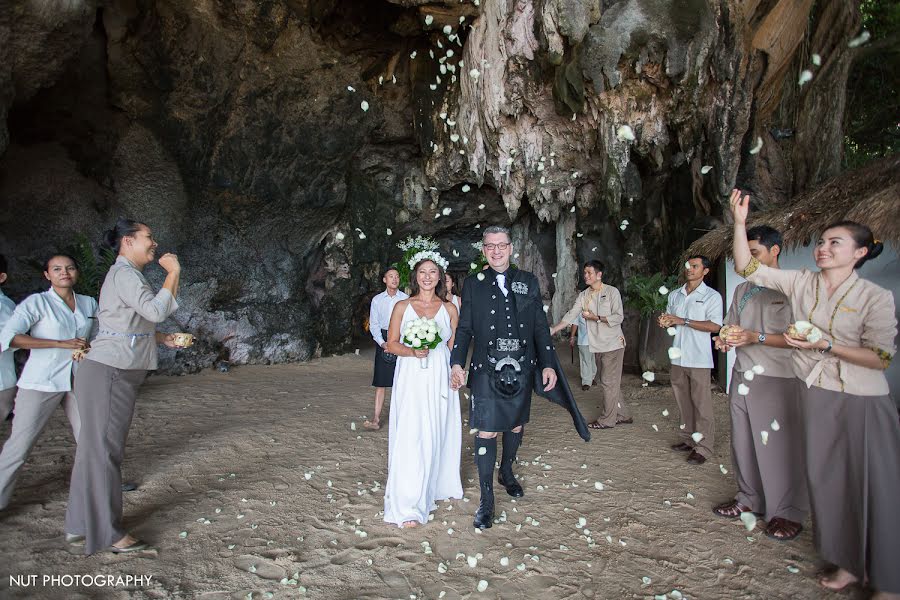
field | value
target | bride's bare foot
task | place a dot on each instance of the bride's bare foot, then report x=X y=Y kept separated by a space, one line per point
x=838 y=580
x=373 y=425
x=410 y=524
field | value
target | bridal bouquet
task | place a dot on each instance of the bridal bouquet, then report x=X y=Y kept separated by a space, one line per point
x=422 y=333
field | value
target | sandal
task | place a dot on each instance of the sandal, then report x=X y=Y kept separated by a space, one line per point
x=373 y=425
x=731 y=510
x=598 y=425
x=783 y=530
x=830 y=580
x=627 y=421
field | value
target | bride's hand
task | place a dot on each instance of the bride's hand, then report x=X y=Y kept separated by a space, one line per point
x=420 y=352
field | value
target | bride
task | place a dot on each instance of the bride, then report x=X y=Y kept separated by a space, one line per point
x=425 y=435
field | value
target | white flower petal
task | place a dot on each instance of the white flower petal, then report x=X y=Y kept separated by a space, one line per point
x=665 y=412
x=598 y=485
x=465 y=188
x=764 y=437
x=663 y=290
x=364 y=105
x=759 y=369
x=474 y=73
x=429 y=19
x=758 y=146
x=749 y=374
x=859 y=40
x=674 y=353
x=480 y=276
x=655 y=428
x=482 y=585
x=447 y=211
x=723 y=469
x=671 y=331
x=649 y=376
x=705 y=169
x=697 y=437
x=805 y=77
x=775 y=425
x=351 y=88
x=817 y=60
x=749 y=520
x=743 y=390
x=625 y=134
x=339 y=236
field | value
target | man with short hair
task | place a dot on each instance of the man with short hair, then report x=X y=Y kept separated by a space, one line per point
x=502 y=311
x=600 y=305
x=7 y=365
x=695 y=311
x=379 y=319
x=765 y=395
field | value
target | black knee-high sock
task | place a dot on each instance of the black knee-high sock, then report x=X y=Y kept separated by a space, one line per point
x=485 y=457
x=511 y=443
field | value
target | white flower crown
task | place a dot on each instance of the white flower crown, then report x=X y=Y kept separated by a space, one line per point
x=429 y=255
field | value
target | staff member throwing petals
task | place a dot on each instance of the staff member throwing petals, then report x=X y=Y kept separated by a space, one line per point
x=107 y=383
x=851 y=429
x=53 y=325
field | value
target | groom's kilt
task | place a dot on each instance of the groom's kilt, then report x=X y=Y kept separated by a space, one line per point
x=384 y=366
x=490 y=411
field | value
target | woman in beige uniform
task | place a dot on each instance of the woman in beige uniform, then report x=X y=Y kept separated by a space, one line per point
x=107 y=383
x=851 y=428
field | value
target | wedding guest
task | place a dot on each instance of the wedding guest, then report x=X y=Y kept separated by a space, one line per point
x=600 y=305
x=425 y=436
x=56 y=326
x=379 y=319
x=587 y=360
x=7 y=364
x=107 y=382
x=695 y=310
x=451 y=291
x=770 y=473
x=850 y=427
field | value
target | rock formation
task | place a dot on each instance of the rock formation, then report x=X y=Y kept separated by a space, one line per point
x=284 y=147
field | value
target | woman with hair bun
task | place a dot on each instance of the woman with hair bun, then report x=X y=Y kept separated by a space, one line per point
x=852 y=435
x=107 y=383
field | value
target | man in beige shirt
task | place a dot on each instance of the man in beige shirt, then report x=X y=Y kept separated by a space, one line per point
x=600 y=305
x=769 y=465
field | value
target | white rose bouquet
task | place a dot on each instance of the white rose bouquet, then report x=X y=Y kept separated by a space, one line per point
x=422 y=333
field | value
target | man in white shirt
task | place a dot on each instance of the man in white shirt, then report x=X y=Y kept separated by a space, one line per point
x=7 y=366
x=695 y=311
x=379 y=319
x=52 y=325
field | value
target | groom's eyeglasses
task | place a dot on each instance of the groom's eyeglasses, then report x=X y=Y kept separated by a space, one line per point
x=501 y=246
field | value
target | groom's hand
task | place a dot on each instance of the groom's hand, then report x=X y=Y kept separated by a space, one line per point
x=549 y=377
x=457 y=377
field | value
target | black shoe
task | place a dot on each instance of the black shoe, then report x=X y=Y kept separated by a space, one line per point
x=695 y=458
x=682 y=447
x=484 y=518
x=129 y=487
x=512 y=486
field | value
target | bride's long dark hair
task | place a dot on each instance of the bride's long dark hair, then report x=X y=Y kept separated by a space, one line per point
x=439 y=289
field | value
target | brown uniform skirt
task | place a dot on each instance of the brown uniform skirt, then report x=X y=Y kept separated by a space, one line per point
x=853 y=467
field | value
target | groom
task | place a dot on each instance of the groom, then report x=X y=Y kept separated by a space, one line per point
x=503 y=311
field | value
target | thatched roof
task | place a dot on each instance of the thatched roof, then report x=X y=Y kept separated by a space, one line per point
x=869 y=195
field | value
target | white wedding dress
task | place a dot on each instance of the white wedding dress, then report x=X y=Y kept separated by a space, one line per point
x=425 y=435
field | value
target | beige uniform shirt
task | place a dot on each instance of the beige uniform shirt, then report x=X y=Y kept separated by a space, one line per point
x=760 y=309
x=858 y=313
x=128 y=314
x=605 y=302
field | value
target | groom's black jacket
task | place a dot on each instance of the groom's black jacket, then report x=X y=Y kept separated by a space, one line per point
x=481 y=315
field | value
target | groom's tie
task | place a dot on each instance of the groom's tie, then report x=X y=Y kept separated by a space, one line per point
x=501 y=282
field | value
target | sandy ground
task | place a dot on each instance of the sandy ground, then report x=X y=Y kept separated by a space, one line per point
x=256 y=477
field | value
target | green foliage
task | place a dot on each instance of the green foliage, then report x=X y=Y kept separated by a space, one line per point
x=873 y=87
x=92 y=265
x=642 y=292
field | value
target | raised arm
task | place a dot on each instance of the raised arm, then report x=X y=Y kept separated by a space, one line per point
x=740 y=207
x=569 y=318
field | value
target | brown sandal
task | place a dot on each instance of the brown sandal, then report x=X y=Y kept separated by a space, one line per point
x=783 y=530
x=731 y=510
x=598 y=425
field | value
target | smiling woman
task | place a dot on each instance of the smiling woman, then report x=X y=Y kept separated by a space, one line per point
x=850 y=421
